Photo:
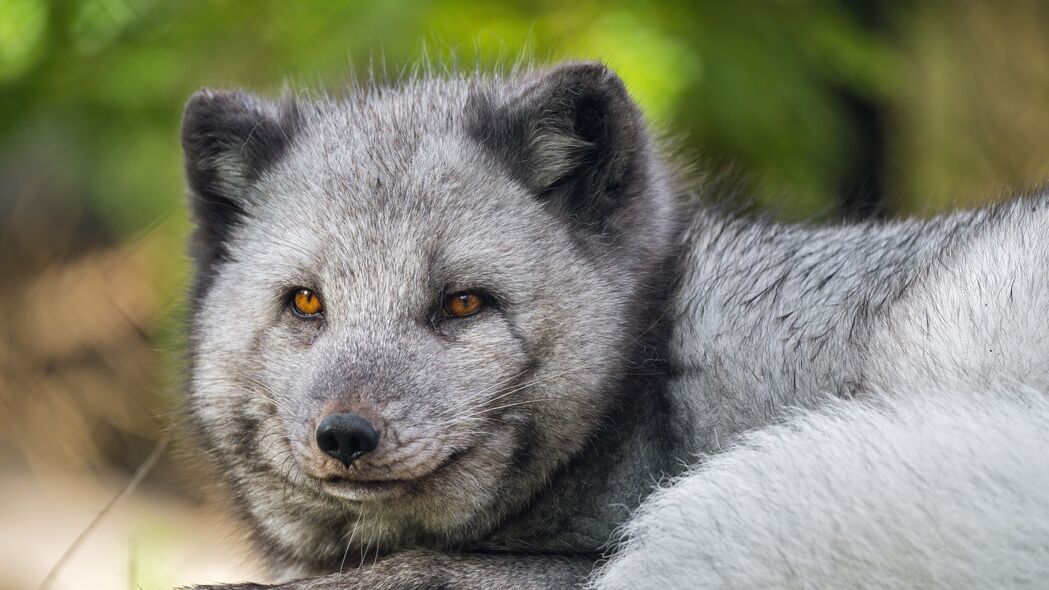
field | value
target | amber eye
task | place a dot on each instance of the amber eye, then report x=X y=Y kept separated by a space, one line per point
x=462 y=304
x=306 y=303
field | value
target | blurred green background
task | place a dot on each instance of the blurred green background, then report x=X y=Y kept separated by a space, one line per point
x=851 y=108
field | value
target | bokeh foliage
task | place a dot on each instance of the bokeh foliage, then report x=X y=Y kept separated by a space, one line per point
x=93 y=88
x=99 y=84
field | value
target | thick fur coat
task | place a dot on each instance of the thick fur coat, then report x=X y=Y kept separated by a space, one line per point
x=622 y=333
x=929 y=489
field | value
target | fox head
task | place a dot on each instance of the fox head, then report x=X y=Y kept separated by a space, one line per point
x=413 y=305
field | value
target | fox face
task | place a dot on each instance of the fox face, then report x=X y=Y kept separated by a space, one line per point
x=411 y=304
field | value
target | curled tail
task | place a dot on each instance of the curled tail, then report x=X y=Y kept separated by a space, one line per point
x=935 y=489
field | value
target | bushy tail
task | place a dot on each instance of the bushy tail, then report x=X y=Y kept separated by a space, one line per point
x=935 y=489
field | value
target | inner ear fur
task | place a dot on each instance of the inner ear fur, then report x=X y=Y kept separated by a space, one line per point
x=229 y=138
x=572 y=135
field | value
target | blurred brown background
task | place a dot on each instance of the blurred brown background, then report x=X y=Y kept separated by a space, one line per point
x=852 y=108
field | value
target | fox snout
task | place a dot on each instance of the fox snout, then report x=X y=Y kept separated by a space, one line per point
x=346 y=437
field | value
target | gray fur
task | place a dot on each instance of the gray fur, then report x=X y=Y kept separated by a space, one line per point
x=382 y=202
x=618 y=343
x=924 y=488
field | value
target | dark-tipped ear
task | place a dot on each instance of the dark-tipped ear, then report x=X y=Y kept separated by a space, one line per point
x=573 y=136
x=229 y=139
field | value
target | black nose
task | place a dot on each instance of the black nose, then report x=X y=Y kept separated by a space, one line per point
x=346 y=437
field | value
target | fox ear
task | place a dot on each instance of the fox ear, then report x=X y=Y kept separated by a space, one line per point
x=573 y=136
x=228 y=140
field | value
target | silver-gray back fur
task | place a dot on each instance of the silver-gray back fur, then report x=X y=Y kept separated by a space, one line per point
x=935 y=477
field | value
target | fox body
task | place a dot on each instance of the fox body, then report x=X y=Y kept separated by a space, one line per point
x=613 y=331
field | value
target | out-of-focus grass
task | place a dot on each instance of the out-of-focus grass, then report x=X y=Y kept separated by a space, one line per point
x=155 y=540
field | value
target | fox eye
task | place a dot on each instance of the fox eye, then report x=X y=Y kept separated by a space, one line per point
x=306 y=303
x=462 y=304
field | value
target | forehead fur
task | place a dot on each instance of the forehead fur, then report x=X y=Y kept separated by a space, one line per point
x=390 y=160
x=381 y=134
x=393 y=152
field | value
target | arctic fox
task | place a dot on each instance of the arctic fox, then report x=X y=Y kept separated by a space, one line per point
x=450 y=333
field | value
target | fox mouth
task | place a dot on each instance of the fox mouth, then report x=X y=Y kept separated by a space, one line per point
x=351 y=488
x=356 y=489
